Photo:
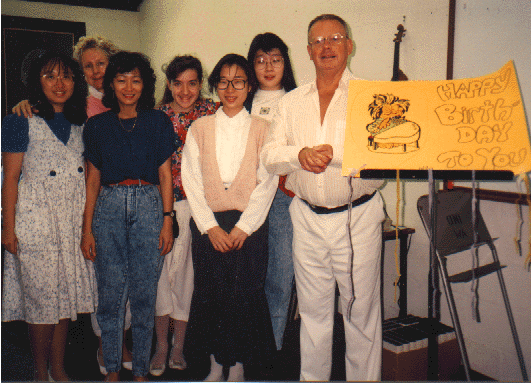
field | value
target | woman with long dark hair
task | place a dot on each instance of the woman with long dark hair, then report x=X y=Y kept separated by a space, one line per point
x=46 y=280
x=272 y=68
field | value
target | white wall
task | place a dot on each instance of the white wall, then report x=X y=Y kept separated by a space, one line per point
x=211 y=29
x=488 y=34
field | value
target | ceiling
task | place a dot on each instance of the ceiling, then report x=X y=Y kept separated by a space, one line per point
x=121 y=5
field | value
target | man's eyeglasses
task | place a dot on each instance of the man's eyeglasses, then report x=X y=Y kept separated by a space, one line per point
x=261 y=62
x=237 y=84
x=52 y=79
x=334 y=39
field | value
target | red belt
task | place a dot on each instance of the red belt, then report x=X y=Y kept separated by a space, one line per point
x=131 y=182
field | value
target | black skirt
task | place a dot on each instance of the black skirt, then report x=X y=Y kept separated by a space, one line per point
x=229 y=314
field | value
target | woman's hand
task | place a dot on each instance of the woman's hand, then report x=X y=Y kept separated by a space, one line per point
x=166 y=236
x=88 y=246
x=10 y=241
x=24 y=108
x=12 y=166
x=238 y=237
x=220 y=239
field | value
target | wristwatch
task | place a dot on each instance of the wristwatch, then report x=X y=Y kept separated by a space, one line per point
x=168 y=214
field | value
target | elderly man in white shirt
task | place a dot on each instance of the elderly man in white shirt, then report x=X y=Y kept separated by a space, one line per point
x=306 y=143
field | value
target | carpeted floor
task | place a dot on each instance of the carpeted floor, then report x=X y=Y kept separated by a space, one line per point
x=81 y=364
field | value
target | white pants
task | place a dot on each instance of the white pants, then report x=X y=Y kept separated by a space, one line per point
x=321 y=251
x=176 y=283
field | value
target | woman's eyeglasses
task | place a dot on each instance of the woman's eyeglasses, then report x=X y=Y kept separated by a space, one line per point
x=237 y=84
x=275 y=61
x=52 y=79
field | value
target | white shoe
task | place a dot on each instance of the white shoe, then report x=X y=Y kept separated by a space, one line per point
x=236 y=373
x=103 y=370
x=216 y=371
x=157 y=371
x=176 y=364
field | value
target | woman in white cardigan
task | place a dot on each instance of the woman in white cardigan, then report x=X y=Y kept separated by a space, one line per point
x=230 y=193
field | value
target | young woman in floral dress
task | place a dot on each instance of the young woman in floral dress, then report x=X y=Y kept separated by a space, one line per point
x=183 y=103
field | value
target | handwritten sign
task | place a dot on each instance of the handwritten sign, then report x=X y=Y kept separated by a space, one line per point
x=477 y=123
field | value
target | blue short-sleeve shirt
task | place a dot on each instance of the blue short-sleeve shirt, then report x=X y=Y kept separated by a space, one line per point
x=129 y=149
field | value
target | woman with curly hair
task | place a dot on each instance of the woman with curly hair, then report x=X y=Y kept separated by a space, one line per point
x=183 y=103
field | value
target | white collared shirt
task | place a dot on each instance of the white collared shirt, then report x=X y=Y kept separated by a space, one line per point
x=94 y=92
x=231 y=141
x=297 y=124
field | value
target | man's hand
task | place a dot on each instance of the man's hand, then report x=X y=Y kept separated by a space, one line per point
x=238 y=237
x=220 y=239
x=316 y=159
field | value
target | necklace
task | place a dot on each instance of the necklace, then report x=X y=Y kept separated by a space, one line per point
x=128 y=131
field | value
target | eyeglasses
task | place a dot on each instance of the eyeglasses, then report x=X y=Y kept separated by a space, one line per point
x=334 y=39
x=261 y=62
x=237 y=84
x=52 y=79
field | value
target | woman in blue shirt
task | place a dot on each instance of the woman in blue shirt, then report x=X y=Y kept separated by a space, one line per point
x=46 y=280
x=127 y=225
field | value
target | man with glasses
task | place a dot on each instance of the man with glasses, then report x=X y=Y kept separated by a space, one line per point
x=306 y=143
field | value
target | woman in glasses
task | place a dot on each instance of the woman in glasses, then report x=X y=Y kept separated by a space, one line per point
x=46 y=280
x=229 y=193
x=272 y=68
x=92 y=54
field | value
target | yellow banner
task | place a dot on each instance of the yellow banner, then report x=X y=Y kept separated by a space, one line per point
x=469 y=124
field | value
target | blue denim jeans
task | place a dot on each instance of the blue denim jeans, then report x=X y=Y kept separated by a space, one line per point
x=279 y=278
x=126 y=225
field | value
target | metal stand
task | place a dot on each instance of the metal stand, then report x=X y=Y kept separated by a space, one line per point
x=438 y=262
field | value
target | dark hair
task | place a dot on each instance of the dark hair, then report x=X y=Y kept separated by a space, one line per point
x=230 y=60
x=178 y=65
x=74 y=108
x=329 y=16
x=125 y=62
x=267 y=42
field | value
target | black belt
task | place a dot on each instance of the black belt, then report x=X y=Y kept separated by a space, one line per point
x=325 y=210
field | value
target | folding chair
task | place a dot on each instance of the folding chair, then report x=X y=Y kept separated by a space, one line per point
x=455 y=233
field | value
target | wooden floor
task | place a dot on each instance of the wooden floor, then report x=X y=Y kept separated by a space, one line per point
x=81 y=364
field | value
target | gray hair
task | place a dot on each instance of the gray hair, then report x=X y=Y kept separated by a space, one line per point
x=90 y=42
x=329 y=16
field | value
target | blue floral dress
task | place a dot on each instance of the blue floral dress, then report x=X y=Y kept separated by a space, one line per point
x=49 y=279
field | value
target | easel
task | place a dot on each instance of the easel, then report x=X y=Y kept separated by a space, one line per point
x=435 y=261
